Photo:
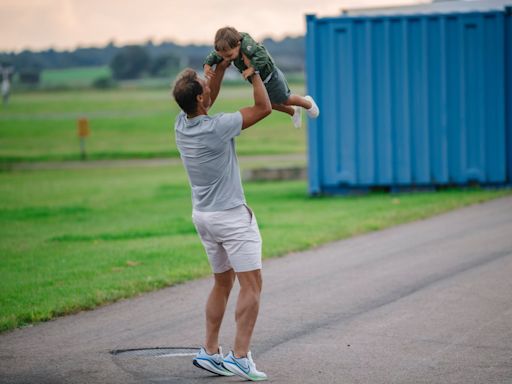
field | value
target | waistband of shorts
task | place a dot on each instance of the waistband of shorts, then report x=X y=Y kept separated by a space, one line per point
x=213 y=212
x=268 y=78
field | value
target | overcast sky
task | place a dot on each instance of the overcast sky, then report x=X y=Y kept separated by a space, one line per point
x=66 y=24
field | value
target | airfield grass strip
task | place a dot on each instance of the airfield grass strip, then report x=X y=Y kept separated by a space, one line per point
x=77 y=239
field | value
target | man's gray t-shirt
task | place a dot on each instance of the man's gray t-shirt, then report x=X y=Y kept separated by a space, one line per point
x=207 y=148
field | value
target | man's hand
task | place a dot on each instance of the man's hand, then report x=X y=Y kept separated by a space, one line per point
x=246 y=60
x=250 y=70
x=208 y=71
x=248 y=73
x=224 y=64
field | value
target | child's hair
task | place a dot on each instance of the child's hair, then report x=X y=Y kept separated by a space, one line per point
x=186 y=89
x=226 y=38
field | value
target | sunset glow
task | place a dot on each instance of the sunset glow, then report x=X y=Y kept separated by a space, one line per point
x=66 y=24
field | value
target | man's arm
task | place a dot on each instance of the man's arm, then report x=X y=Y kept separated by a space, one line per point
x=261 y=107
x=216 y=80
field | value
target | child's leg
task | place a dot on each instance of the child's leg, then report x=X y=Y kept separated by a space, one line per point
x=283 y=108
x=306 y=102
x=294 y=112
x=299 y=101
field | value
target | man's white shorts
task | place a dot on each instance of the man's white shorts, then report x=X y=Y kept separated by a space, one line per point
x=231 y=238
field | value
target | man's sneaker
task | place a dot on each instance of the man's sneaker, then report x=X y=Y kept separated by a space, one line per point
x=297 y=117
x=313 y=112
x=244 y=366
x=211 y=363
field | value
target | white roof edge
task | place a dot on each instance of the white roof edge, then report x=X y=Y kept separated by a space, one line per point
x=431 y=7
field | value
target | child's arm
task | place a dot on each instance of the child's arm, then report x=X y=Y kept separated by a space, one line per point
x=212 y=59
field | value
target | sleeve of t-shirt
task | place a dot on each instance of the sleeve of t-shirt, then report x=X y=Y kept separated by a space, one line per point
x=228 y=125
x=178 y=123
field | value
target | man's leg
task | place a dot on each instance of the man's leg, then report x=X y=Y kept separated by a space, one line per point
x=247 y=308
x=215 y=308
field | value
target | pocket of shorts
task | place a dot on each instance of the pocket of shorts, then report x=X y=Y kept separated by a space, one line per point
x=251 y=213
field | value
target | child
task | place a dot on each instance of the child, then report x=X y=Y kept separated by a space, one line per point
x=231 y=44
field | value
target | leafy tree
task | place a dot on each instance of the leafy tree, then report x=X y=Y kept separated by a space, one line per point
x=29 y=61
x=130 y=62
x=289 y=55
x=164 y=65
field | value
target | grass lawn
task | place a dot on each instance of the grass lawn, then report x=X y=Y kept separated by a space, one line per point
x=72 y=77
x=75 y=239
x=125 y=123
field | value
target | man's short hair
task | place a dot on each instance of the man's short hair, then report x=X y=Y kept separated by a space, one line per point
x=186 y=89
x=226 y=38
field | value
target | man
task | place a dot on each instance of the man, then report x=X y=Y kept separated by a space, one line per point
x=226 y=225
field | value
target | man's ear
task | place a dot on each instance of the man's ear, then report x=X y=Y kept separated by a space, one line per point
x=199 y=98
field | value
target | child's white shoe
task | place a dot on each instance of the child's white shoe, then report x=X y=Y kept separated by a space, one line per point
x=313 y=112
x=297 y=117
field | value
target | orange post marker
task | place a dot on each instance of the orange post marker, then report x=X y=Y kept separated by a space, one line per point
x=83 y=127
x=83 y=131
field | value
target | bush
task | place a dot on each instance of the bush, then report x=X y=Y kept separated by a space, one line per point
x=104 y=82
x=30 y=76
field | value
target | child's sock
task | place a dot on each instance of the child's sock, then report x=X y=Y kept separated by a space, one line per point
x=297 y=117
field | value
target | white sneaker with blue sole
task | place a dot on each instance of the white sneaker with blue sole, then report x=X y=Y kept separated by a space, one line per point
x=244 y=367
x=211 y=363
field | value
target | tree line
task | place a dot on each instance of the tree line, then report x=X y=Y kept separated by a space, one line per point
x=134 y=61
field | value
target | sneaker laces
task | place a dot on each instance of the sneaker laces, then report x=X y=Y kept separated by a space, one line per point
x=219 y=357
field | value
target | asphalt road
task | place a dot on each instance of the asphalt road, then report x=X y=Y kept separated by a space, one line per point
x=426 y=302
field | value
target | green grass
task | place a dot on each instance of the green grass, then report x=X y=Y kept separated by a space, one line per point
x=72 y=77
x=125 y=123
x=74 y=240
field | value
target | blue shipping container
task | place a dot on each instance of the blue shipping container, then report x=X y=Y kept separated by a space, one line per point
x=405 y=101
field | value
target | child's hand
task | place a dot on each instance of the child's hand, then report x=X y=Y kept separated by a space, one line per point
x=208 y=71
x=247 y=62
x=248 y=73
